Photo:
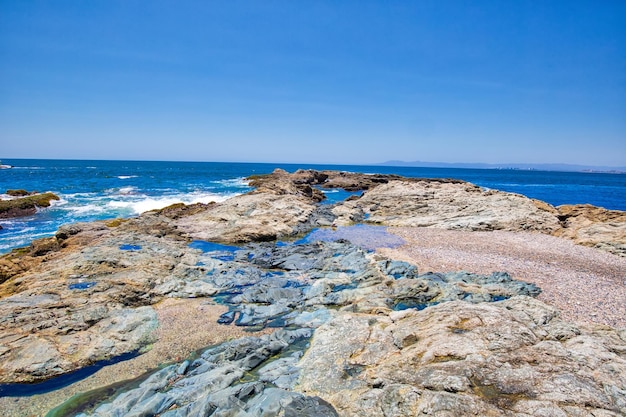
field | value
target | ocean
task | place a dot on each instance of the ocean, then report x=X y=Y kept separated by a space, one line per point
x=98 y=190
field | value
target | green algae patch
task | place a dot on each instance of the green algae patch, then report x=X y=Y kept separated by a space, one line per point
x=115 y=222
x=88 y=401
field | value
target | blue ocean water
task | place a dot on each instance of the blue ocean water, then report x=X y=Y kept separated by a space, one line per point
x=96 y=190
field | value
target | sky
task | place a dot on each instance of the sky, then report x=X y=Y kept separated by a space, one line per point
x=347 y=82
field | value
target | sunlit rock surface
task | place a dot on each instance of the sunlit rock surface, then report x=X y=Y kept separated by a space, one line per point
x=357 y=333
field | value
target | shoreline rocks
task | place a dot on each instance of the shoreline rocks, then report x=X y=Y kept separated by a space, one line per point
x=391 y=200
x=86 y=295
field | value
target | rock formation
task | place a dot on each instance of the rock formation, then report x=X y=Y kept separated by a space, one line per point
x=391 y=200
x=594 y=226
x=513 y=358
x=448 y=206
x=357 y=333
x=25 y=204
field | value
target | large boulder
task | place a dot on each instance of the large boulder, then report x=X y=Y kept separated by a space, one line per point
x=258 y=216
x=594 y=226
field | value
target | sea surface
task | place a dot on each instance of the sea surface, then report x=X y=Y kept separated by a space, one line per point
x=97 y=190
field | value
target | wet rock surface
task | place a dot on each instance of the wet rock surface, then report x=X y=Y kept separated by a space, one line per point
x=249 y=376
x=296 y=284
x=385 y=339
x=80 y=304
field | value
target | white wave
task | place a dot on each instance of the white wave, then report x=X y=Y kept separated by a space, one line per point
x=127 y=190
x=155 y=203
x=60 y=202
x=28 y=229
x=75 y=195
x=125 y=177
x=34 y=236
x=233 y=182
x=86 y=209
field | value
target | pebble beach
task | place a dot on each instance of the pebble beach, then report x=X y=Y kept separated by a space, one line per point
x=587 y=285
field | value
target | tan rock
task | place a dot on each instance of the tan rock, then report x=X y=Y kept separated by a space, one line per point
x=84 y=299
x=594 y=226
x=448 y=206
x=250 y=217
x=458 y=359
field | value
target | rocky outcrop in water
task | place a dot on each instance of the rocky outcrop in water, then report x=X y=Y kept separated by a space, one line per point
x=349 y=181
x=24 y=204
x=391 y=200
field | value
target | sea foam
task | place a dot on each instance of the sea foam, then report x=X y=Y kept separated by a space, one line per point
x=155 y=203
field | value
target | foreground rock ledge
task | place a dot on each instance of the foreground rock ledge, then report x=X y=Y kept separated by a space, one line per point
x=513 y=358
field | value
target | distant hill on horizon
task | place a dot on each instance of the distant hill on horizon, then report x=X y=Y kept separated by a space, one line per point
x=529 y=167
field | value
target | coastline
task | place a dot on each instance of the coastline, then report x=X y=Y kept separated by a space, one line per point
x=147 y=264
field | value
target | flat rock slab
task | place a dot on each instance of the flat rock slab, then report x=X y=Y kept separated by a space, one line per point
x=448 y=206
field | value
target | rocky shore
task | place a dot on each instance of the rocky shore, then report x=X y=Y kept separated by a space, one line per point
x=352 y=322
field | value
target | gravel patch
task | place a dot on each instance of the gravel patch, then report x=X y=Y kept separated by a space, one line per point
x=587 y=285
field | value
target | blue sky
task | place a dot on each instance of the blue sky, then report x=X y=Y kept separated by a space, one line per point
x=352 y=82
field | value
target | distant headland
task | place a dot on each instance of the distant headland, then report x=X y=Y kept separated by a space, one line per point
x=517 y=166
